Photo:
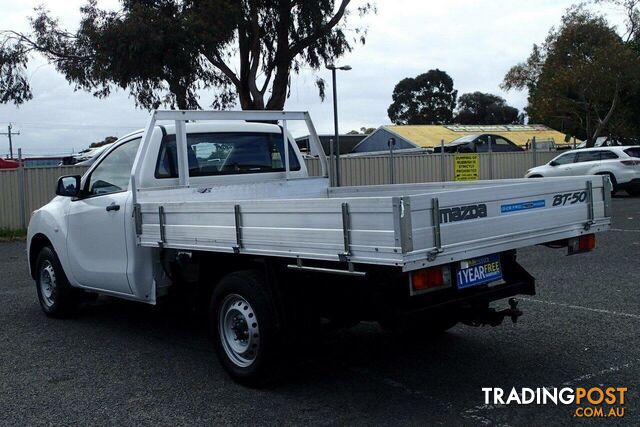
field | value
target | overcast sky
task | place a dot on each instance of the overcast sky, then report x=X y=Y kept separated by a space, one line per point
x=474 y=41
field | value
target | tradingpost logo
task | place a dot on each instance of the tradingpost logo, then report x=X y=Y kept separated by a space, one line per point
x=594 y=402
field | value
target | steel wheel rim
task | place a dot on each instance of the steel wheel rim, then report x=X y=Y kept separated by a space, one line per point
x=48 y=284
x=239 y=330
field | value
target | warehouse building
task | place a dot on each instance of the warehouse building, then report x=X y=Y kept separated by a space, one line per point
x=429 y=136
x=348 y=142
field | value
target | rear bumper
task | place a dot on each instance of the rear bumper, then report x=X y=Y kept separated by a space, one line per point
x=517 y=281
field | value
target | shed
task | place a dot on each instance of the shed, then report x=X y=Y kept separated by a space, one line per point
x=429 y=136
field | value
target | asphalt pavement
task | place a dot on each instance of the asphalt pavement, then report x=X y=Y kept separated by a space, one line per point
x=125 y=363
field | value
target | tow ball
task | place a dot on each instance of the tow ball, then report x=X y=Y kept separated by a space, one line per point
x=491 y=316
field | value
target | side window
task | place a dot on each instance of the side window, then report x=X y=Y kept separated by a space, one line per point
x=633 y=152
x=608 y=155
x=481 y=144
x=565 y=159
x=226 y=153
x=588 y=156
x=114 y=171
x=501 y=141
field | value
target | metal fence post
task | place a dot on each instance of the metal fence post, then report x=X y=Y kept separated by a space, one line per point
x=534 y=152
x=331 y=163
x=391 y=143
x=442 y=175
x=490 y=138
x=21 y=192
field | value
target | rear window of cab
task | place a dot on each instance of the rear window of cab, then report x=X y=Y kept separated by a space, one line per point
x=226 y=153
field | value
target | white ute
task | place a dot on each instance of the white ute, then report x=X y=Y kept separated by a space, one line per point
x=220 y=208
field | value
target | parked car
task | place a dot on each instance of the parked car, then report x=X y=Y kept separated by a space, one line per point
x=479 y=143
x=8 y=164
x=621 y=164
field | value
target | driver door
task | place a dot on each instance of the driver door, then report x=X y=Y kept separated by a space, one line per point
x=96 y=243
x=563 y=165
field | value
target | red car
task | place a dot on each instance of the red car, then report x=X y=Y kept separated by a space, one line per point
x=8 y=164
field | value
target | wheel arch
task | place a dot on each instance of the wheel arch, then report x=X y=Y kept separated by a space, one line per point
x=215 y=266
x=608 y=173
x=38 y=241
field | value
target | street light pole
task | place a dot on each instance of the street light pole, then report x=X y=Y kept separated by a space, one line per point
x=333 y=69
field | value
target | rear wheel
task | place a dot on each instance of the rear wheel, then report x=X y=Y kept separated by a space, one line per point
x=634 y=192
x=57 y=297
x=245 y=328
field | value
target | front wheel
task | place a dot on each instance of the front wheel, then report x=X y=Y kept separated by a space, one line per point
x=57 y=297
x=245 y=328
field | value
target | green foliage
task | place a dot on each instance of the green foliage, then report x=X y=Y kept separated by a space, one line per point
x=579 y=79
x=9 y=235
x=426 y=99
x=479 y=108
x=164 y=51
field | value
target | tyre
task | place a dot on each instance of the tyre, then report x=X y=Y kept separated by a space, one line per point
x=245 y=328
x=634 y=192
x=57 y=297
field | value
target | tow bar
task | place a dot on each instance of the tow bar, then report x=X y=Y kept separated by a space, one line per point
x=491 y=316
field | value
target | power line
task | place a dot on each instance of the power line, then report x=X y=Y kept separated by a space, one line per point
x=44 y=125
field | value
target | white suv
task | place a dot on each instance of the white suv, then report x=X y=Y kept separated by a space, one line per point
x=622 y=164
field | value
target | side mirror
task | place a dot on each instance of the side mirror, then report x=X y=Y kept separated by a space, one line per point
x=68 y=186
x=553 y=163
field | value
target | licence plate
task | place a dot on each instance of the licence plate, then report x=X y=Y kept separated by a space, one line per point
x=478 y=271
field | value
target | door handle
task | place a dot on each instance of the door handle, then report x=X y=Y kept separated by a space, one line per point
x=113 y=207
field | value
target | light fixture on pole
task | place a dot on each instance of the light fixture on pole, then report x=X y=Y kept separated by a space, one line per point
x=333 y=69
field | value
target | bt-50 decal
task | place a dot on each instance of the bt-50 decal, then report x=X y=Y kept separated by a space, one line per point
x=570 y=198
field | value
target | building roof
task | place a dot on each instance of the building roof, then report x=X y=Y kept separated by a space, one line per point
x=428 y=136
x=347 y=141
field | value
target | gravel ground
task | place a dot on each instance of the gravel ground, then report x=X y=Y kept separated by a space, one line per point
x=124 y=363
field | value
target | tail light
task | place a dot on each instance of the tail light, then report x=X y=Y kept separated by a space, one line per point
x=584 y=243
x=426 y=279
x=630 y=162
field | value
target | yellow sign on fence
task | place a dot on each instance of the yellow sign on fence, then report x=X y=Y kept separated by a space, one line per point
x=466 y=167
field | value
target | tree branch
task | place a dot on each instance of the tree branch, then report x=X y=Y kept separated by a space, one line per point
x=216 y=61
x=305 y=42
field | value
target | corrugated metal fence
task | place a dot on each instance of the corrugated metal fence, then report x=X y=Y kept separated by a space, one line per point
x=39 y=183
x=38 y=188
x=372 y=170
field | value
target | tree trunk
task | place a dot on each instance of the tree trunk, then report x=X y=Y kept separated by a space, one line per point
x=180 y=92
x=588 y=127
x=602 y=123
